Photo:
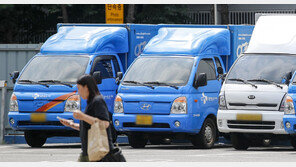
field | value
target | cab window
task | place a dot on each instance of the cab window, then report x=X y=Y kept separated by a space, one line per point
x=207 y=66
x=104 y=65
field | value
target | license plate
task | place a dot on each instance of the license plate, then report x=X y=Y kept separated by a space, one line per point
x=249 y=117
x=38 y=117
x=144 y=120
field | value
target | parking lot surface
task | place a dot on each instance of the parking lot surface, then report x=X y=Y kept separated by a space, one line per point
x=151 y=153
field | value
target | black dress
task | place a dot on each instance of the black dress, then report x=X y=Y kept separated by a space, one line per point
x=96 y=108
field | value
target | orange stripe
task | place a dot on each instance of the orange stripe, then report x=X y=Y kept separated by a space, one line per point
x=55 y=102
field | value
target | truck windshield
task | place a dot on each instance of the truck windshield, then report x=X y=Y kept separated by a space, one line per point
x=55 y=68
x=262 y=69
x=160 y=71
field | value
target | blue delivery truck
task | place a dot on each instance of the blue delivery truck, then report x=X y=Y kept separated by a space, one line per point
x=289 y=118
x=171 y=90
x=46 y=88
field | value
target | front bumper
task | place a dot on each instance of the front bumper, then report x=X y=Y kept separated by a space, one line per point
x=22 y=121
x=272 y=122
x=292 y=120
x=161 y=123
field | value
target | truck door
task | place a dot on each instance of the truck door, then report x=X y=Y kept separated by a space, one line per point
x=108 y=65
x=207 y=95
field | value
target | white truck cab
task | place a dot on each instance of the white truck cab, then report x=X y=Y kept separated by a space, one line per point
x=251 y=100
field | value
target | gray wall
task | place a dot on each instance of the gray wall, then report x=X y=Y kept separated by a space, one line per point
x=13 y=57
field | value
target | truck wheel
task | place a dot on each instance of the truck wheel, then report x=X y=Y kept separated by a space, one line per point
x=35 y=139
x=207 y=136
x=239 y=142
x=293 y=142
x=137 y=140
x=155 y=141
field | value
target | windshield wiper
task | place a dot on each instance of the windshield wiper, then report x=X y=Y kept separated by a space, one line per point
x=162 y=83
x=139 y=83
x=267 y=81
x=57 y=81
x=243 y=81
x=33 y=82
x=26 y=80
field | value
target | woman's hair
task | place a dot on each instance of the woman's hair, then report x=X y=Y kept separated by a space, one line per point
x=91 y=84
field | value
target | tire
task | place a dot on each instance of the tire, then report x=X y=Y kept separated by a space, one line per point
x=293 y=142
x=155 y=141
x=137 y=140
x=239 y=141
x=207 y=136
x=35 y=139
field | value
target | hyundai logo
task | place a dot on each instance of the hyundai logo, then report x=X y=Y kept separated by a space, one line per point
x=146 y=107
x=251 y=97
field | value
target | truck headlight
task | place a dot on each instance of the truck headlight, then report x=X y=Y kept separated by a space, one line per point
x=118 y=105
x=72 y=103
x=13 y=105
x=222 y=102
x=179 y=106
x=289 y=106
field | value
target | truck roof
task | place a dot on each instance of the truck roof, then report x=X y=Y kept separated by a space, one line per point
x=190 y=41
x=87 y=40
x=274 y=34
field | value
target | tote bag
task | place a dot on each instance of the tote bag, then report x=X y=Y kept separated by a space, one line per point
x=98 y=145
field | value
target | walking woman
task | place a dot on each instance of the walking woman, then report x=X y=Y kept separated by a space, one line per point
x=96 y=110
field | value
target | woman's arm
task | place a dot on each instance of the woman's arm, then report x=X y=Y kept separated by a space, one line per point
x=89 y=119
x=75 y=126
x=70 y=124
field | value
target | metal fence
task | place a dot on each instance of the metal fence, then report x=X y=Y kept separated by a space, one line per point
x=13 y=57
x=248 y=17
x=200 y=17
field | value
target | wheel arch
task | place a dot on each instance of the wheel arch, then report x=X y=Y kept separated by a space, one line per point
x=214 y=118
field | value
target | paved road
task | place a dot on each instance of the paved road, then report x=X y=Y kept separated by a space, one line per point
x=162 y=153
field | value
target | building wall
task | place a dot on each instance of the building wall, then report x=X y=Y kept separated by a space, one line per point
x=13 y=57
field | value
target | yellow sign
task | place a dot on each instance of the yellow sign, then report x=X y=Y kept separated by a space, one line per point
x=249 y=117
x=38 y=117
x=114 y=14
x=144 y=120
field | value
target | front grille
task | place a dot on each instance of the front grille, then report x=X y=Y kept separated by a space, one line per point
x=53 y=123
x=258 y=105
x=154 y=125
x=251 y=124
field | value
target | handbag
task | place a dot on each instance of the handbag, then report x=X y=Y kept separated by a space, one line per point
x=98 y=145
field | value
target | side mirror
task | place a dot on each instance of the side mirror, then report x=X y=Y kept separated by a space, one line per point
x=200 y=80
x=288 y=77
x=14 y=76
x=98 y=77
x=118 y=77
x=223 y=76
x=220 y=70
